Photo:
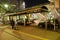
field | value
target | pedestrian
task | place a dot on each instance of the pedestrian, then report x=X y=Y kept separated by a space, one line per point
x=12 y=22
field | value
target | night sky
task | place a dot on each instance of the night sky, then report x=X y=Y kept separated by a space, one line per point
x=30 y=3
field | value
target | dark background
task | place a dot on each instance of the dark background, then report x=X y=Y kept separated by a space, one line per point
x=30 y=3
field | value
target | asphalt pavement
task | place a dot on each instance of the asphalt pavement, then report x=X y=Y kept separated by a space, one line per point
x=27 y=33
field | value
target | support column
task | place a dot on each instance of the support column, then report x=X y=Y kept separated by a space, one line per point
x=46 y=25
x=29 y=17
x=54 y=25
x=24 y=22
x=57 y=3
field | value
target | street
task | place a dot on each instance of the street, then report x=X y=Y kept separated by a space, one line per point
x=27 y=33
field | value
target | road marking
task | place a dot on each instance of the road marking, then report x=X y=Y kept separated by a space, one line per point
x=33 y=36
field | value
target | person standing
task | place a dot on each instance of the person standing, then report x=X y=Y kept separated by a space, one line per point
x=12 y=22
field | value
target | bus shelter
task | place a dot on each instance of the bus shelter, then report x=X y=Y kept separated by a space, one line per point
x=36 y=10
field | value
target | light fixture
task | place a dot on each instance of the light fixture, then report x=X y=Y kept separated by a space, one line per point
x=6 y=5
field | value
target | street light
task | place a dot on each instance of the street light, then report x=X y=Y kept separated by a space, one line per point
x=6 y=5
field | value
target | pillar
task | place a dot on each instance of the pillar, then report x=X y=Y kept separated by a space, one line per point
x=57 y=3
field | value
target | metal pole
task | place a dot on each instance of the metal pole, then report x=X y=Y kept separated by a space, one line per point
x=29 y=17
x=54 y=25
x=46 y=25
x=24 y=22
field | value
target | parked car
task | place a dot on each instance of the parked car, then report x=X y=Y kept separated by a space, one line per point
x=20 y=22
